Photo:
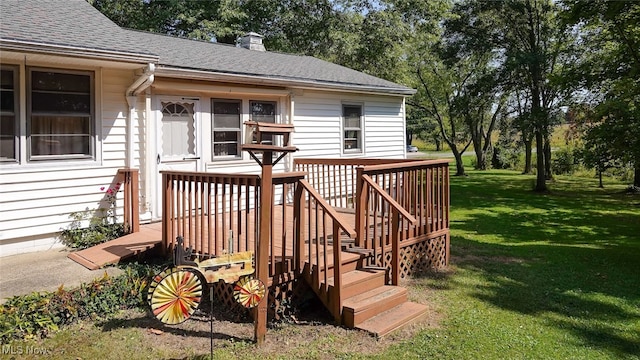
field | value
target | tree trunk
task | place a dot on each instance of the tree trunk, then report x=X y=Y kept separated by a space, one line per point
x=528 y=142
x=636 y=175
x=547 y=159
x=459 y=163
x=481 y=159
x=541 y=184
x=600 y=185
x=438 y=144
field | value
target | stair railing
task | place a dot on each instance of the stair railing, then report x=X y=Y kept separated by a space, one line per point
x=396 y=211
x=310 y=206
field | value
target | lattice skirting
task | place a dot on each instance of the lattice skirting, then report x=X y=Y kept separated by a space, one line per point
x=418 y=257
x=281 y=296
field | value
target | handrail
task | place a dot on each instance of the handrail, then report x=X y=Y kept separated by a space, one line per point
x=405 y=165
x=390 y=200
x=322 y=264
x=329 y=209
x=210 y=174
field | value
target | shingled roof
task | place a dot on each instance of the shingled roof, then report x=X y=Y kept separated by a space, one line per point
x=75 y=24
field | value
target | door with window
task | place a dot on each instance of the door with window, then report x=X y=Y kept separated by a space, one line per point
x=178 y=147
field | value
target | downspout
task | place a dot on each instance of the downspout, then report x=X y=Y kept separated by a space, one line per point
x=144 y=81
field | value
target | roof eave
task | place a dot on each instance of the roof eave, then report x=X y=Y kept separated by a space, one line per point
x=89 y=53
x=194 y=74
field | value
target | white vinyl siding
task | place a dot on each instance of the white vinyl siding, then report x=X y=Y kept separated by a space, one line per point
x=318 y=117
x=35 y=201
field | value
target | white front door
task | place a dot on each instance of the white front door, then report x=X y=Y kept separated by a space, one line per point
x=178 y=144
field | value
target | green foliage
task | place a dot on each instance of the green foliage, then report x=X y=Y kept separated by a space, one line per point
x=565 y=161
x=98 y=231
x=37 y=314
x=505 y=157
x=102 y=224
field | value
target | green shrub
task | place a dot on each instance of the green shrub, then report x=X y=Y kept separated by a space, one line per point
x=505 y=157
x=565 y=161
x=103 y=225
x=37 y=314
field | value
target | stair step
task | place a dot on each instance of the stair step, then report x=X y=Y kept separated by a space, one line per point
x=358 y=250
x=394 y=319
x=358 y=281
x=361 y=307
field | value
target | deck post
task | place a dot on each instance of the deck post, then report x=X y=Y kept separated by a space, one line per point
x=266 y=186
x=298 y=206
x=361 y=204
x=337 y=275
x=135 y=201
x=395 y=247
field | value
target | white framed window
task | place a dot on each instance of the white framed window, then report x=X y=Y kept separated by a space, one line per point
x=9 y=126
x=263 y=111
x=60 y=114
x=352 y=128
x=227 y=131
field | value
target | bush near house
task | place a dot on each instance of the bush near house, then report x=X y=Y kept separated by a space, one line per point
x=102 y=223
x=37 y=314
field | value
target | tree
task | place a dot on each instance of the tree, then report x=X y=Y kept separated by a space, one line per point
x=609 y=70
x=441 y=93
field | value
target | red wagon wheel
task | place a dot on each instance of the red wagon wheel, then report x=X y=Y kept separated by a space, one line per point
x=174 y=295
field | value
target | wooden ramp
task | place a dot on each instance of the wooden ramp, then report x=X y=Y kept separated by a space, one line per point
x=112 y=252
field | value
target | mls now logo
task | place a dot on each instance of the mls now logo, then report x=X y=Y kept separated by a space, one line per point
x=12 y=350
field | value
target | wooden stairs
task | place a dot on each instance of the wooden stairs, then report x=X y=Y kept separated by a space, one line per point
x=368 y=302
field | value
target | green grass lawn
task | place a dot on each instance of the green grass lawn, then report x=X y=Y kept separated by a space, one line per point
x=532 y=276
x=536 y=276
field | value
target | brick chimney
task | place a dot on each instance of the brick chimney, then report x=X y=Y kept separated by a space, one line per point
x=252 y=41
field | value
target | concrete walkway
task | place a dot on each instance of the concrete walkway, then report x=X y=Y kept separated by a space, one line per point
x=43 y=271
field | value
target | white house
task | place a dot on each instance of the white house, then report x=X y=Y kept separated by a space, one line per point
x=82 y=97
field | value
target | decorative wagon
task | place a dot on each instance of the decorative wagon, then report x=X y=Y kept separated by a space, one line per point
x=175 y=293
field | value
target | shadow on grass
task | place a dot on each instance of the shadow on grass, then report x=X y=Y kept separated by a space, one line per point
x=150 y=323
x=569 y=257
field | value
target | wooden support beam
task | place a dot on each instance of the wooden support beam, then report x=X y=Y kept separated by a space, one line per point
x=266 y=188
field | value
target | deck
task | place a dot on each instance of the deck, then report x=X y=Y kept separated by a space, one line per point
x=150 y=237
x=391 y=218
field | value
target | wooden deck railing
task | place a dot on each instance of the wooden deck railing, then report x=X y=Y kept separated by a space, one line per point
x=217 y=214
x=335 y=179
x=420 y=187
x=319 y=227
x=128 y=179
x=385 y=205
x=212 y=212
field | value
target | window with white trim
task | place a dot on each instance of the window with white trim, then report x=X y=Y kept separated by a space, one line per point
x=60 y=119
x=9 y=114
x=226 y=128
x=352 y=128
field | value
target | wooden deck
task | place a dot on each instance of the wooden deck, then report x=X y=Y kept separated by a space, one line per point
x=114 y=251
x=150 y=236
x=391 y=219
